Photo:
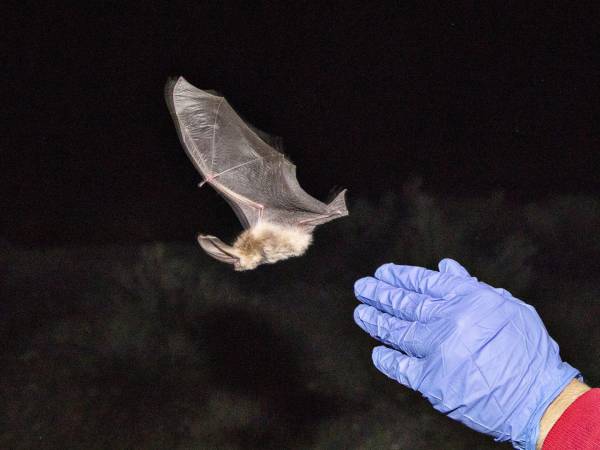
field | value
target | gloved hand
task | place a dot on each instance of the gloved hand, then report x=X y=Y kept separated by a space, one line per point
x=478 y=354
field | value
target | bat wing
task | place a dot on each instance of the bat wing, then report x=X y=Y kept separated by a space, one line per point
x=258 y=181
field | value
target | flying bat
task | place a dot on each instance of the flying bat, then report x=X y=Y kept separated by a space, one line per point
x=257 y=180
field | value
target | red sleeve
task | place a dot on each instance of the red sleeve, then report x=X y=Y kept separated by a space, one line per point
x=579 y=426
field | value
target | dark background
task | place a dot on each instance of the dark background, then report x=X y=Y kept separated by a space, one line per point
x=472 y=98
x=460 y=129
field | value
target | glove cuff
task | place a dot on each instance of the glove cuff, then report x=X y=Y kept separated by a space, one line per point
x=528 y=439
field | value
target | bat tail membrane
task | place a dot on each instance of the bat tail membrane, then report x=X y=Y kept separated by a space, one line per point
x=335 y=209
x=338 y=204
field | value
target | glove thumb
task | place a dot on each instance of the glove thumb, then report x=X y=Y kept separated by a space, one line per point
x=450 y=266
x=398 y=366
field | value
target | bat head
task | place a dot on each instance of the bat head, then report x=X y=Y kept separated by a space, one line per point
x=265 y=243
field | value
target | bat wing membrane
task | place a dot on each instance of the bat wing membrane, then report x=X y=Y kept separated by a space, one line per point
x=257 y=181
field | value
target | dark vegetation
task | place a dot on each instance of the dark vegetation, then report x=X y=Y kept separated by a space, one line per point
x=157 y=346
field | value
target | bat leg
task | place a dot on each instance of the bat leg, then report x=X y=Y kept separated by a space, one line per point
x=319 y=220
x=336 y=208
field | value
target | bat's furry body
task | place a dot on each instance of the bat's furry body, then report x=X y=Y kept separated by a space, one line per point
x=269 y=243
x=258 y=181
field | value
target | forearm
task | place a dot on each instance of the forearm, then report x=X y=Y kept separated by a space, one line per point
x=573 y=391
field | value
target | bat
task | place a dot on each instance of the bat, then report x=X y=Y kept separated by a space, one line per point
x=244 y=165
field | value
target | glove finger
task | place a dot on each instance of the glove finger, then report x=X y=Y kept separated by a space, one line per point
x=402 y=368
x=413 y=338
x=503 y=292
x=424 y=281
x=452 y=267
x=398 y=302
x=448 y=265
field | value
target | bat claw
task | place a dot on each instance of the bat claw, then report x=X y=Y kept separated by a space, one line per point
x=202 y=183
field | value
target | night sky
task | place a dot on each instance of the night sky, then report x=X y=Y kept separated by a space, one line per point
x=470 y=98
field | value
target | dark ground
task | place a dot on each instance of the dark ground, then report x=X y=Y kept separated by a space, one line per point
x=158 y=346
x=118 y=332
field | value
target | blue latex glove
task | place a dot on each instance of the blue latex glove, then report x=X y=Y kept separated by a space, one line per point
x=478 y=354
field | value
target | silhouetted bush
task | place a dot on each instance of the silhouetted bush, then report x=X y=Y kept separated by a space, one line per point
x=158 y=346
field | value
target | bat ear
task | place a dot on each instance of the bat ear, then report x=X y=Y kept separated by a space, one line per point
x=218 y=249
